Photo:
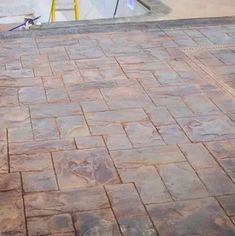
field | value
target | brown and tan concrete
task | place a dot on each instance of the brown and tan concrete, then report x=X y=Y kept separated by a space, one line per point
x=118 y=133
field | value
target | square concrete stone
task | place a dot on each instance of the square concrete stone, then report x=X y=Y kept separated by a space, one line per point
x=139 y=225
x=39 y=181
x=11 y=181
x=98 y=222
x=147 y=156
x=117 y=141
x=20 y=134
x=12 y=221
x=172 y=134
x=45 y=129
x=160 y=116
x=125 y=201
x=143 y=134
x=198 y=156
x=208 y=128
x=229 y=167
x=50 y=225
x=148 y=183
x=47 y=203
x=228 y=203
x=181 y=180
x=84 y=168
x=216 y=181
x=194 y=217
x=222 y=150
x=72 y=126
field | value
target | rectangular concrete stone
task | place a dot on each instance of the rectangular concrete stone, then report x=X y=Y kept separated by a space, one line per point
x=116 y=116
x=222 y=150
x=39 y=181
x=47 y=203
x=107 y=129
x=50 y=225
x=41 y=146
x=125 y=97
x=55 y=110
x=208 y=128
x=20 y=134
x=3 y=157
x=31 y=162
x=147 y=156
x=89 y=142
x=32 y=95
x=12 y=220
x=181 y=181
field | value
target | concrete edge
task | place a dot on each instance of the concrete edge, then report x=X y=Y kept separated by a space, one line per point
x=111 y=25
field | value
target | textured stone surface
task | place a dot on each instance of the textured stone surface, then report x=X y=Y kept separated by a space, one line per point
x=198 y=156
x=72 y=126
x=228 y=203
x=146 y=156
x=208 y=128
x=99 y=222
x=50 y=225
x=31 y=162
x=47 y=203
x=105 y=133
x=148 y=183
x=84 y=168
x=182 y=181
x=39 y=181
x=12 y=214
x=143 y=134
x=195 y=217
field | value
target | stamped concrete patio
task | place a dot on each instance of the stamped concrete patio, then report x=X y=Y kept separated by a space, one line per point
x=127 y=132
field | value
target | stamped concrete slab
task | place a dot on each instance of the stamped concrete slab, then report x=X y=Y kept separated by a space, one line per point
x=182 y=181
x=47 y=203
x=84 y=168
x=50 y=225
x=203 y=217
x=12 y=218
x=208 y=128
x=98 y=222
x=147 y=156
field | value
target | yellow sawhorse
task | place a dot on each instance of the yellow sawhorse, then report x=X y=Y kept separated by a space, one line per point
x=54 y=9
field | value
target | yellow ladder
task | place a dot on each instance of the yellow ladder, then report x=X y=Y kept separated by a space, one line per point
x=54 y=9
